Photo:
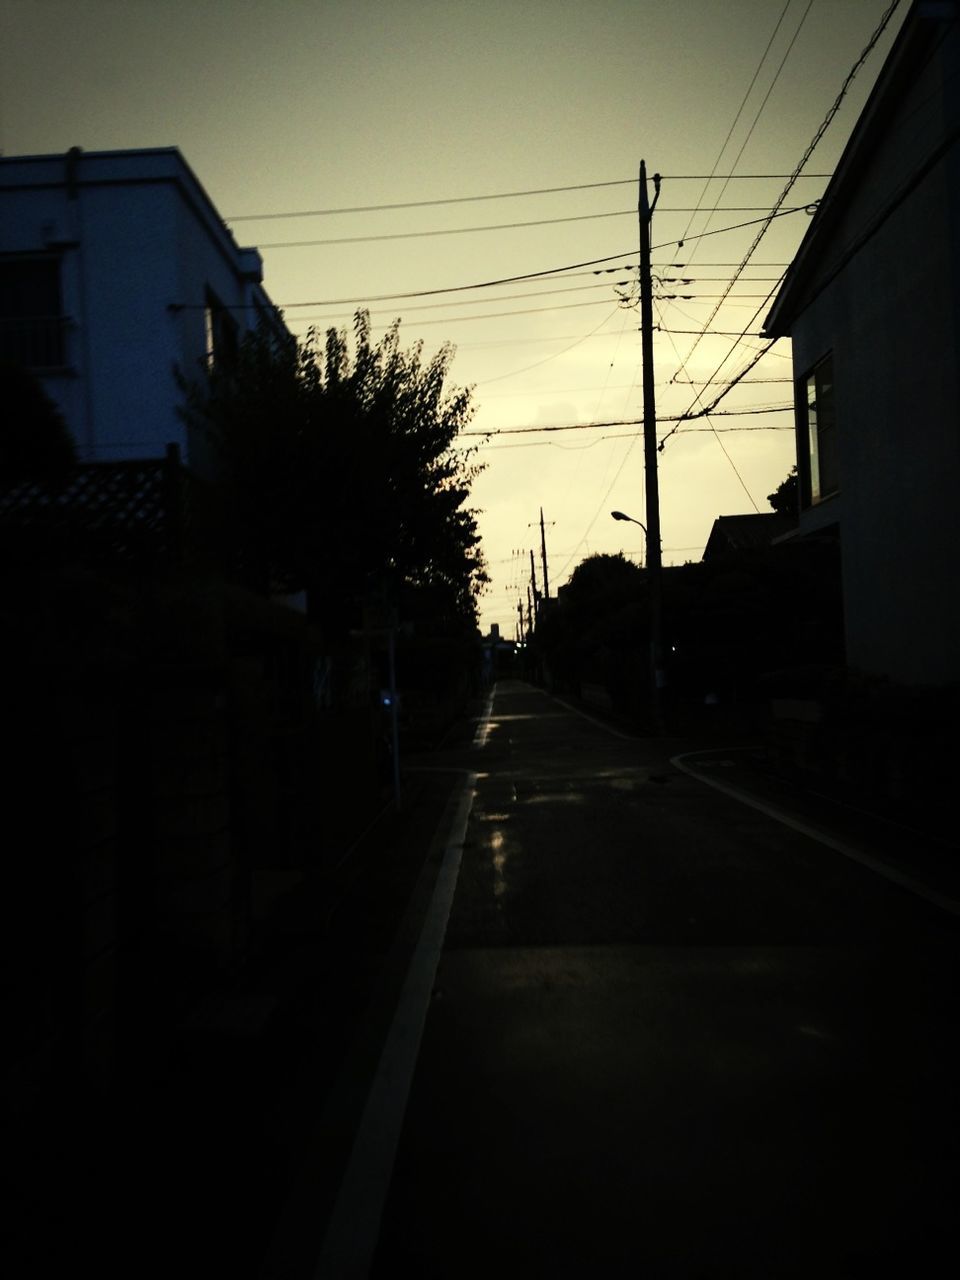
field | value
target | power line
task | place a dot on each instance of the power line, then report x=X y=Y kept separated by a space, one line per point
x=737 y=226
x=502 y=226
x=620 y=386
x=500 y=376
x=620 y=422
x=632 y=435
x=780 y=199
x=498 y=195
x=738 y=115
x=702 y=413
x=568 y=271
x=545 y=293
x=492 y=315
x=824 y=125
x=726 y=454
x=513 y=311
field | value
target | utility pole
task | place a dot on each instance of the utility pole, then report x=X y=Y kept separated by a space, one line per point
x=654 y=557
x=529 y=617
x=543 y=558
x=533 y=585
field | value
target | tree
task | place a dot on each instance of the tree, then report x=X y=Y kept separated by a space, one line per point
x=35 y=442
x=343 y=474
x=601 y=581
x=785 y=498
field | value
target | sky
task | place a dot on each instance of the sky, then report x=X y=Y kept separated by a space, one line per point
x=515 y=130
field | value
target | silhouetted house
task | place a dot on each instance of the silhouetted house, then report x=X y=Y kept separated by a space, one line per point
x=872 y=305
x=731 y=534
x=116 y=269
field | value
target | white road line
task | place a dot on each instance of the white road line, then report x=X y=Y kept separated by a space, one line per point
x=351 y=1238
x=917 y=887
x=483 y=728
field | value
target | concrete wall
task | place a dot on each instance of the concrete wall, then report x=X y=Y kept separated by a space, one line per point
x=139 y=244
x=891 y=320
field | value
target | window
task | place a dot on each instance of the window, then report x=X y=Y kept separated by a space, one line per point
x=221 y=329
x=817 y=434
x=31 y=311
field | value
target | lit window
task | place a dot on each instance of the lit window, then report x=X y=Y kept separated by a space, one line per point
x=220 y=331
x=819 y=463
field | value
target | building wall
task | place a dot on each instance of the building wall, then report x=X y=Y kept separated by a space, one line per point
x=128 y=337
x=140 y=244
x=891 y=320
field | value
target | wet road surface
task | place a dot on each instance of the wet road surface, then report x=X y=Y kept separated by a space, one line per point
x=669 y=1036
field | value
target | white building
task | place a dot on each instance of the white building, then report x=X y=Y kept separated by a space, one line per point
x=115 y=271
x=872 y=305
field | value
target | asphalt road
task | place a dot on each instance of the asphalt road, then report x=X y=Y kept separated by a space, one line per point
x=667 y=1036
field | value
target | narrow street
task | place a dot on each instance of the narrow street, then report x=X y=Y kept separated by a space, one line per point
x=667 y=1036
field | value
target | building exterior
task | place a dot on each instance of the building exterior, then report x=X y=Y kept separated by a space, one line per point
x=751 y=532
x=115 y=272
x=872 y=305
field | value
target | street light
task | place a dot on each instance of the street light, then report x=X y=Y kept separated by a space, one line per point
x=619 y=515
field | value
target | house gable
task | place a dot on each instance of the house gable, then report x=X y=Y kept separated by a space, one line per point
x=910 y=123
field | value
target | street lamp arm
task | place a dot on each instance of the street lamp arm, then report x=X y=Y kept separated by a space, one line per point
x=619 y=515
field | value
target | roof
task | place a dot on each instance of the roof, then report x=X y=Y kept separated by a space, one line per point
x=131 y=167
x=745 y=533
x=922 y=27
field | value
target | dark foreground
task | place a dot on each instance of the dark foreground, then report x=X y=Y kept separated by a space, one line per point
x=663 y=1034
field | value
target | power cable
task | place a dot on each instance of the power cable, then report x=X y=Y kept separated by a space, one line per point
x=556 y=355
x=702 y=413
x=619 y=422
x=497 y=195
x=620 y=386
x=782 y=196
x=499 y=315
x=488 y=226
x=554 y=444
x=562 y=272
x=736 y=119
x=824 y=125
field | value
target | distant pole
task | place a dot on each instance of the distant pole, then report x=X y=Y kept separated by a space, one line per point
x=543 y=558
x=654 y=557
x=529 y=616
x=394 y=717
x=533 y=582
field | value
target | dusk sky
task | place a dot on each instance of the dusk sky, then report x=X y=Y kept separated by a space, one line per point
x=308 y=107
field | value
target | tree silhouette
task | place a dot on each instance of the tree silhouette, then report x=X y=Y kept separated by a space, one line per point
x=341 y=470
x=35 y=442
x=785 y=499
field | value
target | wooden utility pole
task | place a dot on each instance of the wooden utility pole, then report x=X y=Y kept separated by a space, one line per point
x=654 y=557
x=533 y=585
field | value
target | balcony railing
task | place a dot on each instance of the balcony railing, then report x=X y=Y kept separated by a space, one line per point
x=36 y=342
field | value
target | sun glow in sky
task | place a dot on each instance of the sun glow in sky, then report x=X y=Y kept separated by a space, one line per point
x=286 y=107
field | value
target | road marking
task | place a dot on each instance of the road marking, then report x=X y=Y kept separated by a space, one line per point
x=483 y=728
x=593 y=720
x=354 y=1227
x=884 y=869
